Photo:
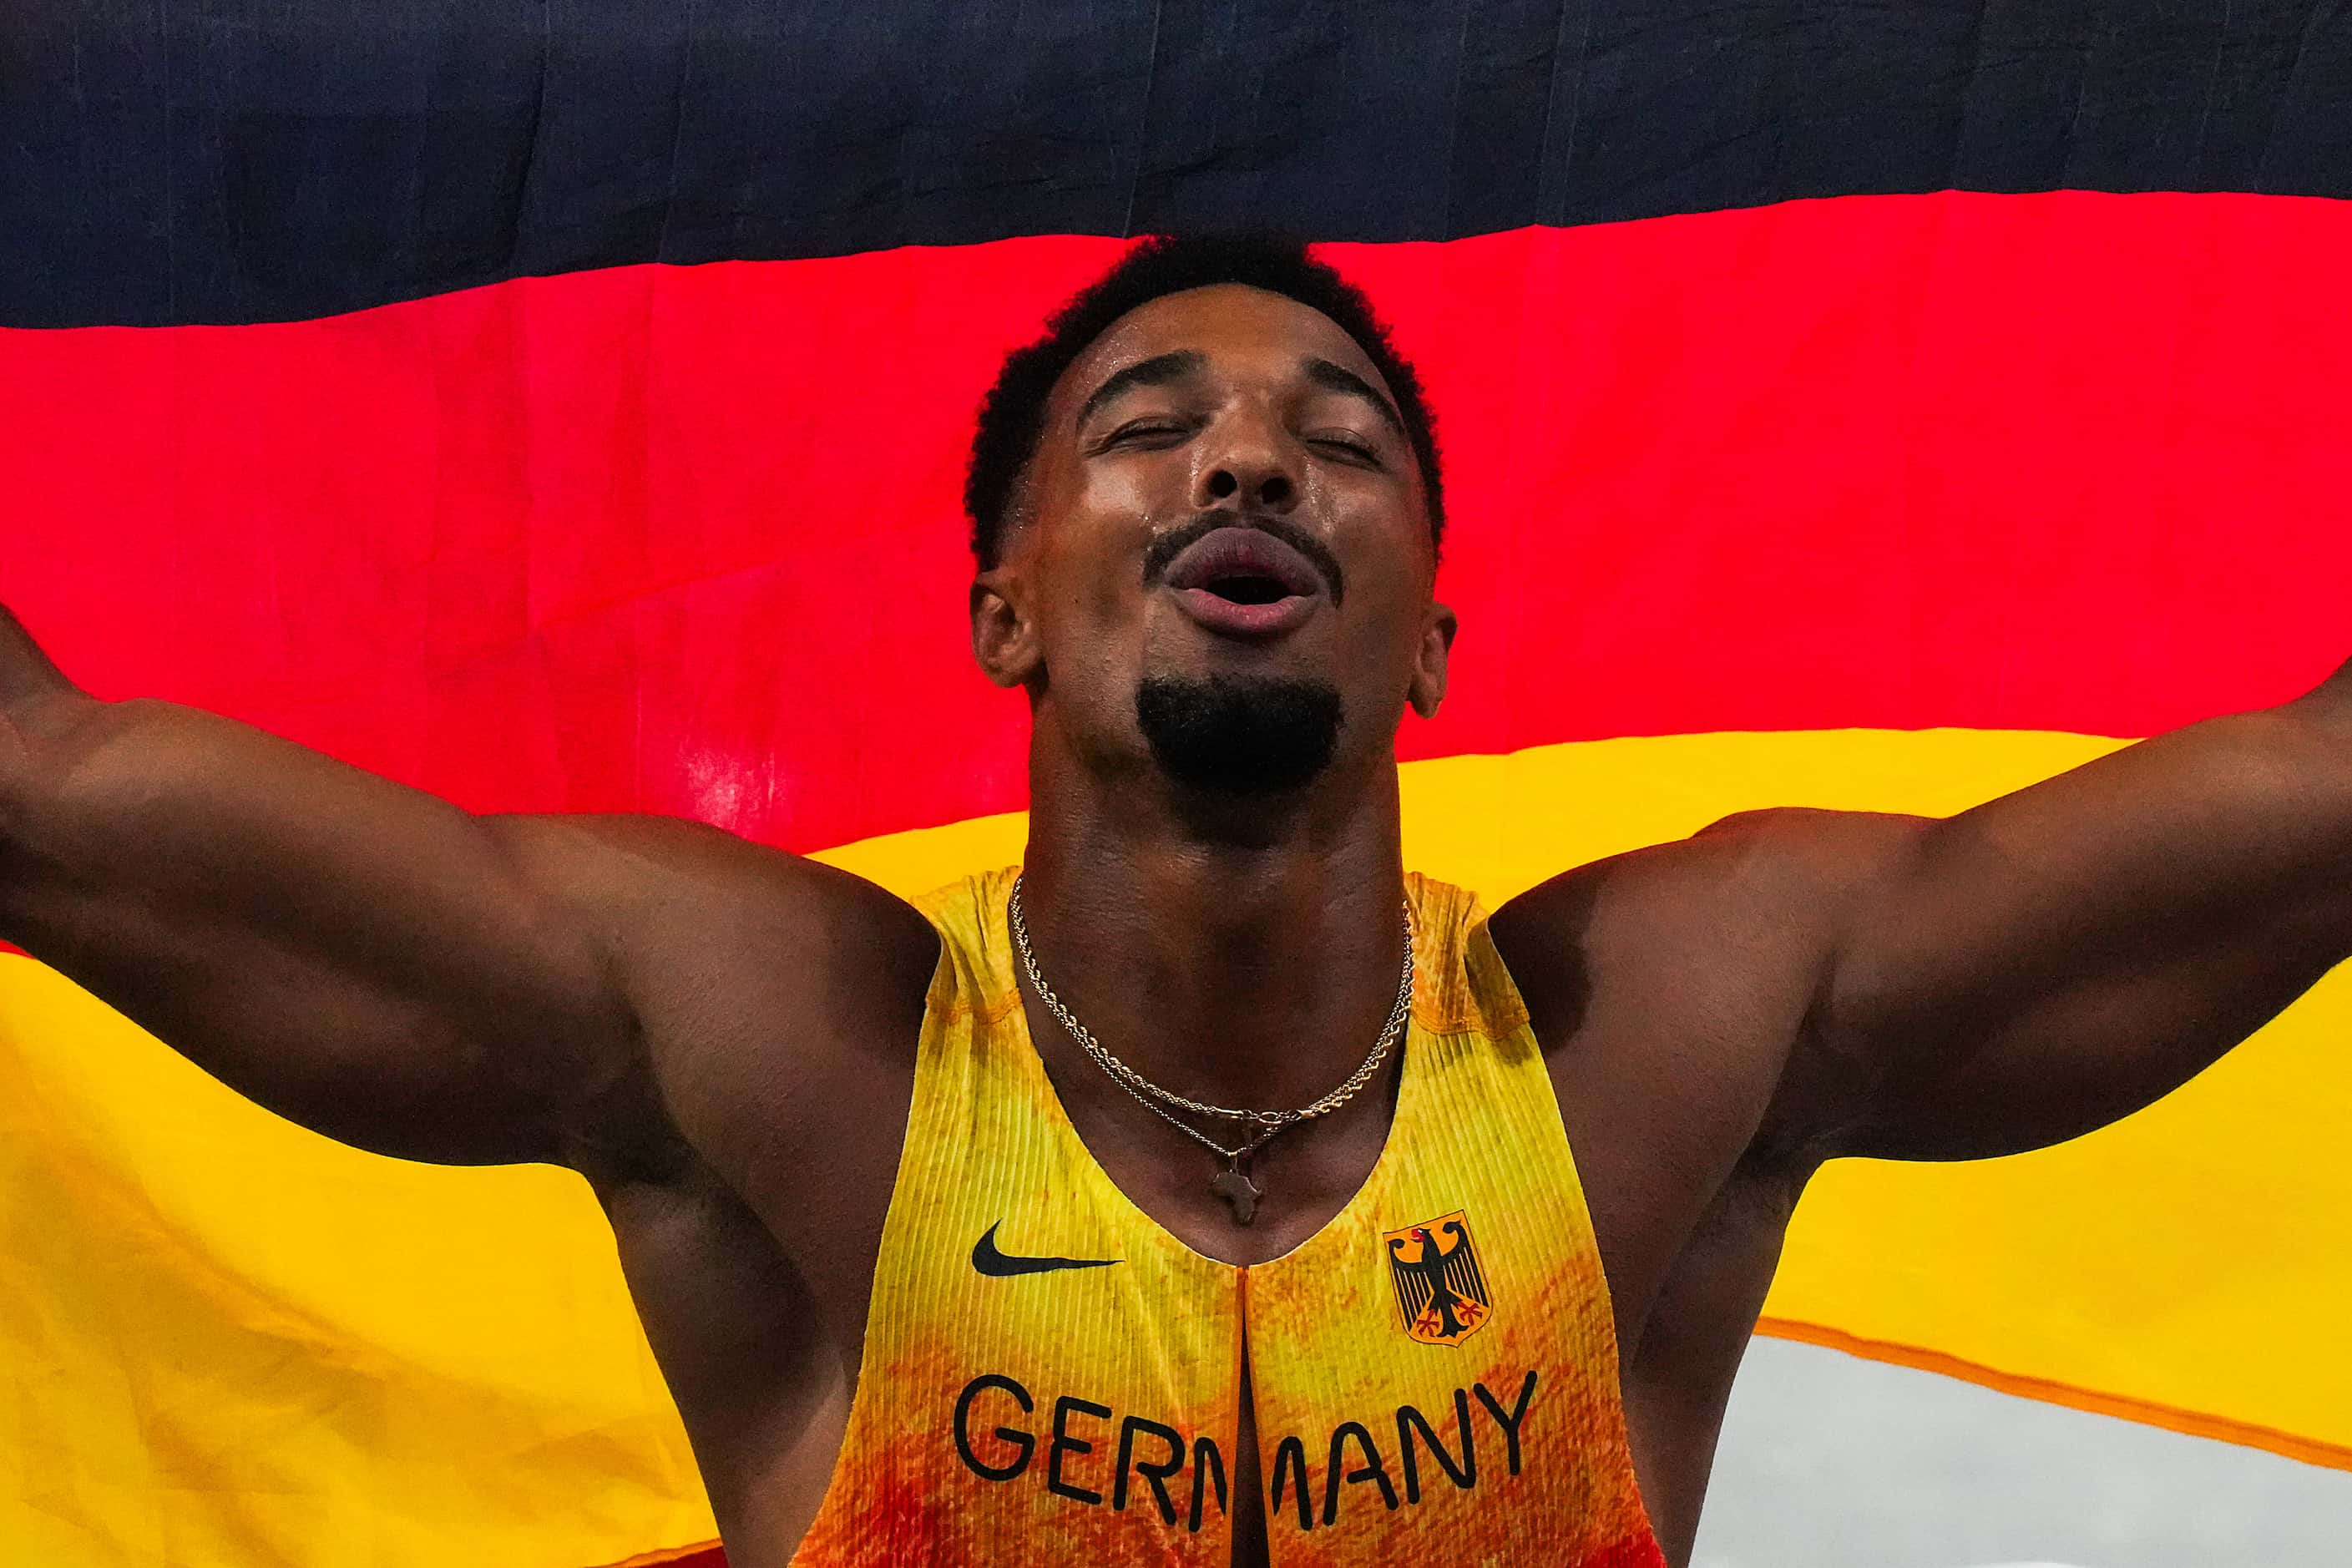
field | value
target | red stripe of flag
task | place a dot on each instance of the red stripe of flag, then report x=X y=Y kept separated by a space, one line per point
x=687 y=538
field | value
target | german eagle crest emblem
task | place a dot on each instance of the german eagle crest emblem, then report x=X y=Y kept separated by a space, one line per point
x=1441 y=1291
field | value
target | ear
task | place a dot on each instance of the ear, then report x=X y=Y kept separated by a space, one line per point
x=1002 y=636
x=1428 y=688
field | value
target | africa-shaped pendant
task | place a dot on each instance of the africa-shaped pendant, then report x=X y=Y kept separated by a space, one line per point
x=1234 y=1185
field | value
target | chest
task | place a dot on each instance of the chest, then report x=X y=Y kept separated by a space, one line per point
x=1656 y=1087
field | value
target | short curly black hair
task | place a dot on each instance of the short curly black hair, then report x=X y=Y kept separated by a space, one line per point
x=1012 y=415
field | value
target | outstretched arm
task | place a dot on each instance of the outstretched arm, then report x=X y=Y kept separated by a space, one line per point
x=361 y=957
x=2060 y=957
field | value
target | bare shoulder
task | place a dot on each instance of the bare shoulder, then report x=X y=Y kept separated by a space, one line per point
x=766 y=988
x=1698 y=963
x=665 y=889
x=1787 y=872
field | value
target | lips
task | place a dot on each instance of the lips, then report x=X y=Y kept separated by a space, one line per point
x=1244 y=582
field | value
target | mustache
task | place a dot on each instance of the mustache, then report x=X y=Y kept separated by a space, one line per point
x=1176 y=540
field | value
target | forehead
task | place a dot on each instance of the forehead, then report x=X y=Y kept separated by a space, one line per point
x=1239 y=330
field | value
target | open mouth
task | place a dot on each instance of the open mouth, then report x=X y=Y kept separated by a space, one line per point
x=1245 y=565
x=1243 y=581
x=1248 y=588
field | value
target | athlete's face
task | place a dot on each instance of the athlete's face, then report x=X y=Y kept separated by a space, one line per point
x=1221 y=498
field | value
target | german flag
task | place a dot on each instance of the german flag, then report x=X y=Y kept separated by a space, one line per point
x=562 y=407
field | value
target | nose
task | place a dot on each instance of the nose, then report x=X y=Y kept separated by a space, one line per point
x=1250 y=469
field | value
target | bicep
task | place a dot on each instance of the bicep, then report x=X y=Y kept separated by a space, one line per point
x=360 y=957
x=2078 y=1056
x=2063 y=956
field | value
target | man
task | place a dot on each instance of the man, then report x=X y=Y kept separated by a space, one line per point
x=944 y=1224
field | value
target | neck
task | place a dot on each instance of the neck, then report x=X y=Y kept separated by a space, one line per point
x=1245 y=954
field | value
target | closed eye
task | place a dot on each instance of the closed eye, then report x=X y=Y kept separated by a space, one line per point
x=1145 y=430
x=1354 y=446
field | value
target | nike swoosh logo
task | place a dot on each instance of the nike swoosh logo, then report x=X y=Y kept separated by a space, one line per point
x=999 y=1266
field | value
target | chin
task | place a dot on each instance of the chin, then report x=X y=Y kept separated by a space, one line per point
x=1241 y=733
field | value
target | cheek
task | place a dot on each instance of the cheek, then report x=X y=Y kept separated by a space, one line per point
x=1097 y=566
x=1087 y=603
x=1382 y=626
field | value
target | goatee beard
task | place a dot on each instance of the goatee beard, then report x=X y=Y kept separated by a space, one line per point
x=1240 y=735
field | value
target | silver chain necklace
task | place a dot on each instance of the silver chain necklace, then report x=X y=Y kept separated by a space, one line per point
x=1232 y=1183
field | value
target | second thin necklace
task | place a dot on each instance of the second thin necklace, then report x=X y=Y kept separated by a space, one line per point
x=1232 y=1183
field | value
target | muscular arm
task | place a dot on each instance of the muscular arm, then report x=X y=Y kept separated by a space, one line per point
x=2060 y=957
x=364 y=959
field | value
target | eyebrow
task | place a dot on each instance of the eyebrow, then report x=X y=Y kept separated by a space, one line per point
x=1157 y=371
x=1340 y=378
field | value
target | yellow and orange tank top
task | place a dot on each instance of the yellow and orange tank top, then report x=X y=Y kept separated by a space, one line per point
x=1051 y=1378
